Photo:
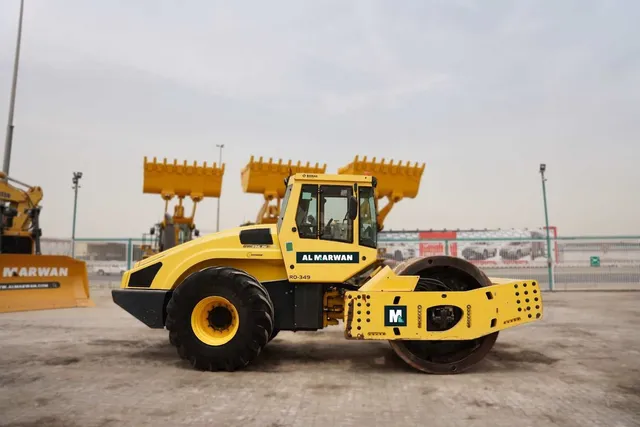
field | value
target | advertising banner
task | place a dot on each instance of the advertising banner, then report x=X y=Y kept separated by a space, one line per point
x=498 y=248
x=490 y=250
x=434 y=243
x=399 y=245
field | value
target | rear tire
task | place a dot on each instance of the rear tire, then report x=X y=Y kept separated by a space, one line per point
x=220 y=318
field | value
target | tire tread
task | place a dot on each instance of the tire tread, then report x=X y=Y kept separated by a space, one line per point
x=248 y=342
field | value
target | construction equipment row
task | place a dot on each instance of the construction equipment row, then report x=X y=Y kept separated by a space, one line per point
x=395 y=182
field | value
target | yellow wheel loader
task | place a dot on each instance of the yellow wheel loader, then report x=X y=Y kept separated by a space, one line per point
x=223 y=297
x=30 y=280
x=178 y=180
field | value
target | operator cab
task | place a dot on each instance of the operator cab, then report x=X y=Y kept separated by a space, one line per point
x=19 y=241
x=328 y=219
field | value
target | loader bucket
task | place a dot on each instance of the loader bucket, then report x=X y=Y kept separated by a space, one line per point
x=182 y=180
x=41 y=282
x=260 y=177
x=394 y=181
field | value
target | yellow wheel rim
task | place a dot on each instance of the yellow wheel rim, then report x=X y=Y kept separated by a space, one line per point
x=215 y=320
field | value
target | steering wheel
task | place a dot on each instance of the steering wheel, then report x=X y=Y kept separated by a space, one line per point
x=326 y=231
x=367 y=233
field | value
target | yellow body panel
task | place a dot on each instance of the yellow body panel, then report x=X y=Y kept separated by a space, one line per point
x=386 y=280
x=38 y=282
x=486 y=310
x=264 y=262
x=301 y=262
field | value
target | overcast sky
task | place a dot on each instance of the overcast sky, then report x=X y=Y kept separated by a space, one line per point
x=482 y=92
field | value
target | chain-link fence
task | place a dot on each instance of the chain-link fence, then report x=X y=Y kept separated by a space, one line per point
x=576 y=263
x=107 y=259
x=56 y=246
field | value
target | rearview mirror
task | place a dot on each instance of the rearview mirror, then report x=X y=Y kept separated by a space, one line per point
x=353 y=208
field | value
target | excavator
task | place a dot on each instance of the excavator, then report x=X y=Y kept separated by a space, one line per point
x=394 y=182
x=178 y=180
x=31 y=280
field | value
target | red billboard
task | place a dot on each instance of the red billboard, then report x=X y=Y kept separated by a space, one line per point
x=432 y=246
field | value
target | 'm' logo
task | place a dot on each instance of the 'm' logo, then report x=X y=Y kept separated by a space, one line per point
x=395 y=315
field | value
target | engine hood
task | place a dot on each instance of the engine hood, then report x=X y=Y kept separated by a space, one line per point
x=229 y=238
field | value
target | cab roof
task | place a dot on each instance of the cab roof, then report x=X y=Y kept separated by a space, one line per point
x=331 y=178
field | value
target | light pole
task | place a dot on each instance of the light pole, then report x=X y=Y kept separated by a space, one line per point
x=12 y=99
x=543 y=167
x=76 y=185
x=220 y=146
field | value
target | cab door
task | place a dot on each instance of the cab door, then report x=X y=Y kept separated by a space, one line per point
x=318 y=238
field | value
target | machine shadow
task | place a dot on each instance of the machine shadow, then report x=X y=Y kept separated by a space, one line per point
x=279 y=356
x=282 y=355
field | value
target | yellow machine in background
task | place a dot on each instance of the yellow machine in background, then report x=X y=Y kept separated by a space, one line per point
x=179 y=180
x=30 y=280
x=395 y=182
x=259 y=177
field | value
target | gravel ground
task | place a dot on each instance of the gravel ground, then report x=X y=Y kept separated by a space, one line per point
x=580 y=367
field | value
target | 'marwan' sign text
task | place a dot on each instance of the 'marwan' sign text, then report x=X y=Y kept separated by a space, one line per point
x=327 y=257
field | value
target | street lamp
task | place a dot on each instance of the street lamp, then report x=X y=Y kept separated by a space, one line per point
x=543 y=168
x=76 y=185
x=12 y=99
x=220 y=146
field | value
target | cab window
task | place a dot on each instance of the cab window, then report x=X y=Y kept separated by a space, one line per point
x=334 y=213
x=307 y=213
x=283 y=206
x=368 y=217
